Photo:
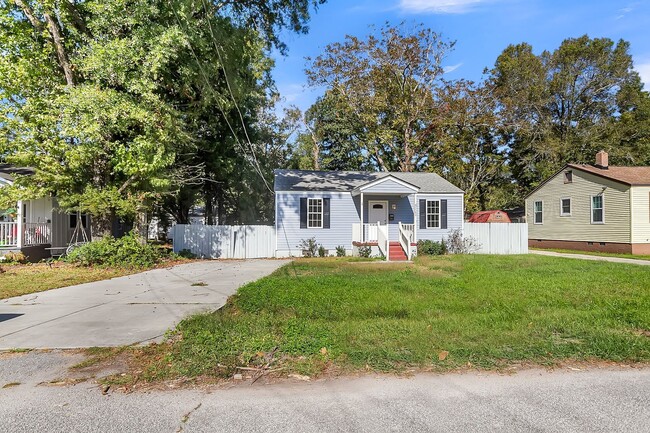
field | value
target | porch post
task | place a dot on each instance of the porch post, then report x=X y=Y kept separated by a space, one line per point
x=415 y=219
x=363 y=232
x=21 y=226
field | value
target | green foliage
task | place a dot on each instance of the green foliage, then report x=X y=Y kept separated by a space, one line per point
x=128 y=251
x=340 y=251
x=186 y=254
x=13 y=257
x=308 y=247
x=322 y=252
x=489 y=311
x=431 y=248
x=365 y=252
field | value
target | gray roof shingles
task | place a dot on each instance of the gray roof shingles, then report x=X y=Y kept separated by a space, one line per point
x=346 y=181
x=8 y=171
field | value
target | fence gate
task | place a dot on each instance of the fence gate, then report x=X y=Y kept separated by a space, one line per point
x=225 y=242
x=499 y=238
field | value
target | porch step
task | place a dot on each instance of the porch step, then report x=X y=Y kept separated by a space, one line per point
x=396 y=253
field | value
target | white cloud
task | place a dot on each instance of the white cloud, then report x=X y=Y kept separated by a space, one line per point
x=451 y=68
x=440 y=6
x=644 y=71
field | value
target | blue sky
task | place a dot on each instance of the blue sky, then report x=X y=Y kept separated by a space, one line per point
x=481 y=28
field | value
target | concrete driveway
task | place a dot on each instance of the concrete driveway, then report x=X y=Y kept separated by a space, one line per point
x=125 y=310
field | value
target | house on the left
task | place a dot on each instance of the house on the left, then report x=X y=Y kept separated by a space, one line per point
x=37 y=228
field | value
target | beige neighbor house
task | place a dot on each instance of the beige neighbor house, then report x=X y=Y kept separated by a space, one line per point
x=592 y=208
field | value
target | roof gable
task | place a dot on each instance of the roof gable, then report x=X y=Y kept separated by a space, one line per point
x=387 y=184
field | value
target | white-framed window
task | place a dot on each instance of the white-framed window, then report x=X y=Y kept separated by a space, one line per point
x=433 y=214
x=315 y=213
x=538 y=212
x=597 y=209
x=565 y=206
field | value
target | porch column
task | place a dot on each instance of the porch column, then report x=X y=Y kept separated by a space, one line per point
x=415 y=218
x=20 y=232
x=363 y=233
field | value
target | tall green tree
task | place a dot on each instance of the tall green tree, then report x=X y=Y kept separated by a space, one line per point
x=384 y=84
x=119 y=103
x=561 y=105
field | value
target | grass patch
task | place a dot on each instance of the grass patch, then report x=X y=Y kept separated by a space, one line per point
x=439 y=313
x=595 y=253
x=19 y=280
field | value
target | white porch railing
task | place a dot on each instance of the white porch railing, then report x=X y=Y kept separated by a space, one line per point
x=33 y=234
x=8 y=234
x=382 y=239
x=365 y=233
x=406 y=238
x=37 y=234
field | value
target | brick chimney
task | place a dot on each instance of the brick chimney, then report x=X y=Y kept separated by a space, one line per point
x=602 y=160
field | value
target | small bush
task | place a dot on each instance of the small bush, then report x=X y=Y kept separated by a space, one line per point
x=127 y=251
x=457 y=244
x=365 y=252
x=186 y=254
x=431 y=248
x=340 y=251
x=309 y=247
x=322 y=252
x=13 y=257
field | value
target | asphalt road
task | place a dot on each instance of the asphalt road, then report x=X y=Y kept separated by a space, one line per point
x=599 y=400
x=126 y=310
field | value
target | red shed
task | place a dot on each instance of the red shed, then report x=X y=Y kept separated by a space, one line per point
x=489 y=216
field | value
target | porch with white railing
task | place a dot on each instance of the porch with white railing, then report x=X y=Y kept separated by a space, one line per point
x=407 y=238
x=15 y=235
x=372 y=233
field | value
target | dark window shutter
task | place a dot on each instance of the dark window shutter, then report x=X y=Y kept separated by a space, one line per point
x=423 y=214
x=326 y=213
x=443 y=214
x=303 y=213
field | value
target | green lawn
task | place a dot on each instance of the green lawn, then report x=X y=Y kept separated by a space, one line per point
x=595 y=253
x=486 y=311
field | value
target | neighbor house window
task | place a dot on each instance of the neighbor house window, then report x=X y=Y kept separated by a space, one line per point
x=565 y=207
x=568 y=176
x=315 y=213
x=73 y=220
x=538 y=208
x=597 y=209
x=433 y=214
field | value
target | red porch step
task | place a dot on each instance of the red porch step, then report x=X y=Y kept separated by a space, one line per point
x=395 y=252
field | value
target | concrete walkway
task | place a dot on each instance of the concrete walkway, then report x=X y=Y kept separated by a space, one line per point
x=588 y=257
x=125 y=310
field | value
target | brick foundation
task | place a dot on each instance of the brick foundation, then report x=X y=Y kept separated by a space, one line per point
x=608 y=247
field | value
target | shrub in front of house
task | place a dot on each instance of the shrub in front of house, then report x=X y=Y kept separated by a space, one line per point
x=309 y=247
x=127 y=251
x=340 y=251
x=365 y=252
x=431 y=248
x=457 y=243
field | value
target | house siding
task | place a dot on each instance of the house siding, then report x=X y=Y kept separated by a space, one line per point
x=388 y=187
x=640 y=200
x=578 y=226
x=343 y=213
x=454 y=216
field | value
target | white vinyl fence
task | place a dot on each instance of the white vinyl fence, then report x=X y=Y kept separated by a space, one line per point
x=499 y=238
x=225 y=242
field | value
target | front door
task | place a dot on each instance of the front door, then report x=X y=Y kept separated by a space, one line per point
x=378 y=212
